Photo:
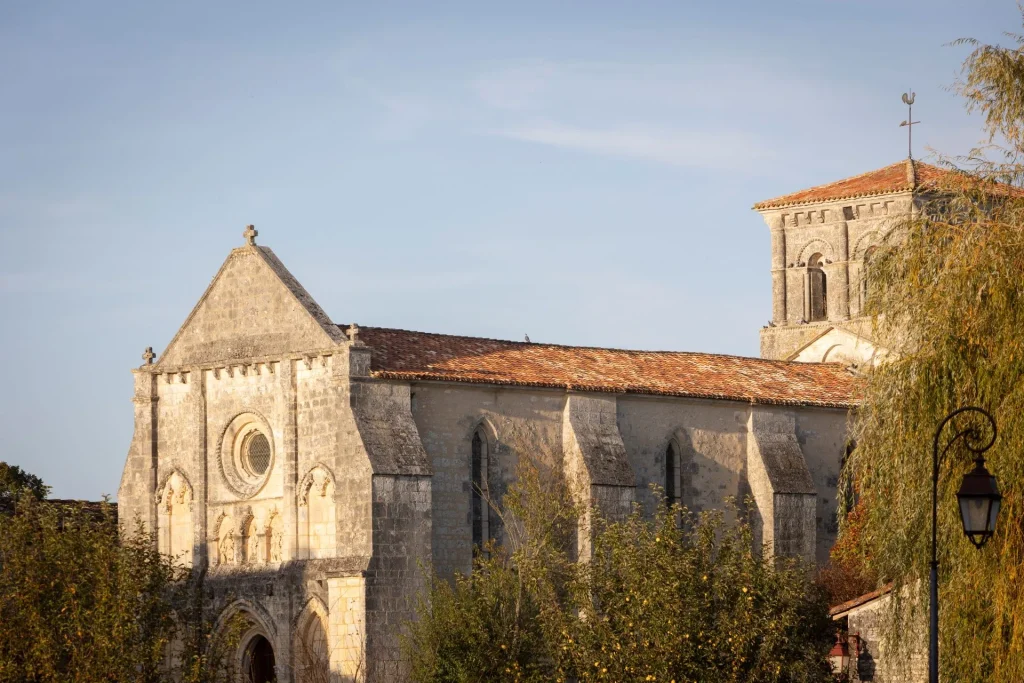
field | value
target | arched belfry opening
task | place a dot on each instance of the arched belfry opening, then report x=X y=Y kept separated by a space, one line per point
x=258 y=665
x=478 y=489
x=816 y=289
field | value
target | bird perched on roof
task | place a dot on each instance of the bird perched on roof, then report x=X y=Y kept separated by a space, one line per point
x=527 y=339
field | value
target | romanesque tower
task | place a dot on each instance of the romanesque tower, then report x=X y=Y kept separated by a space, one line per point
x=821 y=239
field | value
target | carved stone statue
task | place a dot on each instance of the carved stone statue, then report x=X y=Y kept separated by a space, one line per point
x=276 y=544
x=226 y=548
x=252 y=551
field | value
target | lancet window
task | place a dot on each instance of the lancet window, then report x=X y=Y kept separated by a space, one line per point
x=478 y=489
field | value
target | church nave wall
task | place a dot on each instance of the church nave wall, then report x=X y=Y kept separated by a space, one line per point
x=708 y=439
x=515 y=421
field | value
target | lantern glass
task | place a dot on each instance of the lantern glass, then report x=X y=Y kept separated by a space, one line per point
x=839 y=656
x=980 y=501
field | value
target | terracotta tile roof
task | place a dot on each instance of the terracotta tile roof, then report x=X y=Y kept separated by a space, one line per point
x=902 y=176
x=405 y=355
x=840 y=610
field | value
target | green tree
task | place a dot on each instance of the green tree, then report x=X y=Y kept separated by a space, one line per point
x=14 y=481
x=76 y=604
x=948 y=302
x=80 y=601
x=658 y=601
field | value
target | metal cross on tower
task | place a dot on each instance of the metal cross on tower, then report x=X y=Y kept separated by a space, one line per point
x=908 y=99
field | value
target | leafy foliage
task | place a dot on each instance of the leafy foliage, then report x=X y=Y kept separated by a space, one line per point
x=660 y=600
x=74 y=603
x=947 y=298
x=15 y=481
x=80 y=602
x=847 y=574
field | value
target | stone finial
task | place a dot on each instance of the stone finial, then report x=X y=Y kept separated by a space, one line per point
x=353 y=333
x=148 y=355
x=250 y=235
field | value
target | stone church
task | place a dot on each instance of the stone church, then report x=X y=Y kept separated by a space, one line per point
x=314 y=469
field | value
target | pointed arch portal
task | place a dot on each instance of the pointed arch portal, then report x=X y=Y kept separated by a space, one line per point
x=258 y=664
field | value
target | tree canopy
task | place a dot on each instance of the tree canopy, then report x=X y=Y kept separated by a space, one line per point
x=673 y=598
x=948 y=304
x=15 y=481
x=82 y=601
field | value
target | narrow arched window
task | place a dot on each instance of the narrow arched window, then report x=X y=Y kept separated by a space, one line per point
x=672 y=480
x=816 y=289
x=478 y=490
x=848 y=494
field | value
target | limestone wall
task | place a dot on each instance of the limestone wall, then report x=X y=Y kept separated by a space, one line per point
x=399 y=570
x=710 y=436
x=869 y=625
x=822 y=435
x=517 y=422
x=842 y=232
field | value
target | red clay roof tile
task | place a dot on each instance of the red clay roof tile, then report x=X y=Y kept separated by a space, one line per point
x=891 y=179
x=412 y=356
x=842 y=608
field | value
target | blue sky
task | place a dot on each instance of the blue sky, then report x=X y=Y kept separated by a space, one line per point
x=582 y=172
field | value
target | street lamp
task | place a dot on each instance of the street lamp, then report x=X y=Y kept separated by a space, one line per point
x=979 y=501
x=839 y=656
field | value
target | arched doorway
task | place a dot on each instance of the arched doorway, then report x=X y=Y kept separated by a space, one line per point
x=258 y=663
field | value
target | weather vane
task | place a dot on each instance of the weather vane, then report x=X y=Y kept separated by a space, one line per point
x=908 y=99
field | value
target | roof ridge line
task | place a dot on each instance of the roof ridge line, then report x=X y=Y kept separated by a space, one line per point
x=833 y=182
x=771 y=361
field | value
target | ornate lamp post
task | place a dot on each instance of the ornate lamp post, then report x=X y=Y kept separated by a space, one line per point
x=979 y=500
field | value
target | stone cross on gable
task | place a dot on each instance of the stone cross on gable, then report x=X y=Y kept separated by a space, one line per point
x=250 y=234
x=148 y=355
x=353 y=333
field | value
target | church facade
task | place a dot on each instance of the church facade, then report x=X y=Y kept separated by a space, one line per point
x=316 y=471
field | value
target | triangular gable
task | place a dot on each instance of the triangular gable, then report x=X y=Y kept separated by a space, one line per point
x=253 y=307
x=795 y=354
x=836 y=345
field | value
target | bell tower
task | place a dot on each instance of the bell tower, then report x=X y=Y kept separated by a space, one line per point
x=821 y=239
